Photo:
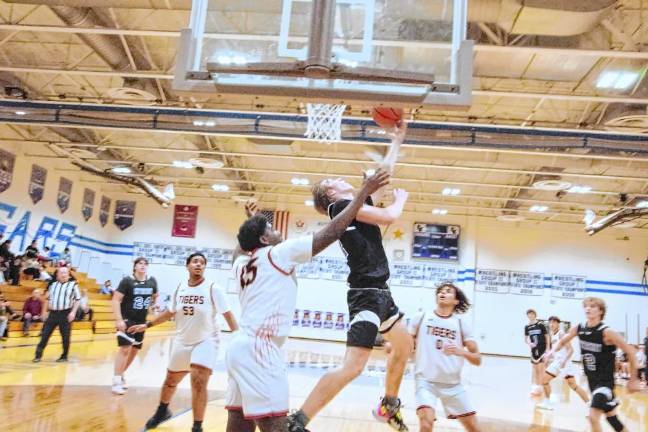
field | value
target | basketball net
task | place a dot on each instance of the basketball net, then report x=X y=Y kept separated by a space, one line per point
x=324 y=122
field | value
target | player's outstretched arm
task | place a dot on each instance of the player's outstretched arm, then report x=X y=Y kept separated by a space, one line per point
x=472 y=353
x=610 y=337
x=398 y=136
x=386 y=215
x=338 y=225
x=140 y=328
x=573 y=332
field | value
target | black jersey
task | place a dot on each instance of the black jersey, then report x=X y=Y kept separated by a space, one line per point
x=598 y=358
x=137 y=298
x=362 y=244
x=536 y=333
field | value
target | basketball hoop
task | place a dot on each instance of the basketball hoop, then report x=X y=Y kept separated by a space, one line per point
x=324 y=122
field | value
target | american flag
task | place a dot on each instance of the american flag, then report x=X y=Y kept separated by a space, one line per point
x=278 y=219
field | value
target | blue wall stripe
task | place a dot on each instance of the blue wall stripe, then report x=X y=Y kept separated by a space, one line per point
x=624 y=284
x=103 y=251
x=99 y=242
x=637 y=293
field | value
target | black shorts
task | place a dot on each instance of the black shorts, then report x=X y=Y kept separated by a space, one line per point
x=371 y=310
x=603 y=397
x=137 y=337
x=537 y=353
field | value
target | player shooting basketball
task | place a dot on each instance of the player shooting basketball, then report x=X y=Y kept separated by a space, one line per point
x=371 y=307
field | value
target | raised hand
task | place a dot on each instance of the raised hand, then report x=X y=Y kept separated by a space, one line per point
x=251 y=208
x=379 y=179
x=400 y=195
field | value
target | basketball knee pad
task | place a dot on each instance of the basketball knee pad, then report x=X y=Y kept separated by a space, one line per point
x=615 y=423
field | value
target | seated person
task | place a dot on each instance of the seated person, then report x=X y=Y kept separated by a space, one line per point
x=32 y=310
x=31 y=266
x=84 y=307
x=6 y=314
x=107 y=288
x=32 y=248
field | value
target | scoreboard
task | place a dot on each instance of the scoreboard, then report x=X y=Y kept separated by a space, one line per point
x=434 y=241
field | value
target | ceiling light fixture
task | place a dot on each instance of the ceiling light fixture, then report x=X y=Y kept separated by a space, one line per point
x=182 y=164
x=440 y=212
x=538 y=208
x=218 y=187
x=300 y=181
x=552 y=185
x=580 y=189
x=20 y=113
x=617 y=80
x=642 y=204
x=309 y=203
x=451 y=191
x=121 y=170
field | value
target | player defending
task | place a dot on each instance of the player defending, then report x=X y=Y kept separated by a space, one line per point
x=371 y=307
x=598 y=343
x=194 y=350
x=443 y=341
x=130 y=303
x=561 y=364
x=536 y=336
x=257 y=393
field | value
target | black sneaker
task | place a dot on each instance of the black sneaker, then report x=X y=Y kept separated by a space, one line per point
x=158 y=418
x=197 y=429
x=61 y=359
x=294 y=425
x=36 y=360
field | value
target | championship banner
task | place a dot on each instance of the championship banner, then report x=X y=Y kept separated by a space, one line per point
x=37 y=183
x=88 y=203
x=493 y=281
x=124 y=214
x=526 y=283
x=568 y=286
x=332 y=268
x=317 y=319
x=309 y=270
x=306 y=318
x=407 y=274
x=437 y=274
x=328 y=321
x=7 y=162
x=64 y=194
x=339 y=323
x=104 y=210
x=185 y=219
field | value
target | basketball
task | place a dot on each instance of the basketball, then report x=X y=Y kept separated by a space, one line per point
x=386 y=117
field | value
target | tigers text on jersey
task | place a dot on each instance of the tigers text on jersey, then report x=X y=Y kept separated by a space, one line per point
x=598 y=358
x=432 y=332
x=267 y=287
x=195 y=310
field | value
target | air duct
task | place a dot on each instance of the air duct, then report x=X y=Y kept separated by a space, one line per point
x=132 y=181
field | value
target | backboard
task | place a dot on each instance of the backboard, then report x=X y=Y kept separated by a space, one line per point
x=402 y=52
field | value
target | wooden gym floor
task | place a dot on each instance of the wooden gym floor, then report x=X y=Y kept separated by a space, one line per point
x=76 y=396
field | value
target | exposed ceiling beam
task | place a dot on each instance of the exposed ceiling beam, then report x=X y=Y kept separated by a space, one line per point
x=275 y=38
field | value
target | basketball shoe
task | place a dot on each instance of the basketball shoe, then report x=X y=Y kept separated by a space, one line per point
x=391 y=415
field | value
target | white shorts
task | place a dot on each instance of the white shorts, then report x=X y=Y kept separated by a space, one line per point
x=554 y=369
x=453 y=397
x=183 y=356
x=258 y=382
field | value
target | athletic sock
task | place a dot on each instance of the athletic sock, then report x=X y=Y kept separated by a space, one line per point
x=301 y=418
x=392 y=403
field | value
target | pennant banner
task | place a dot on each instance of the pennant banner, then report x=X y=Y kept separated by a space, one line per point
x=37 y=183
x=64 y=194
x=88 y=203
x=104 y=210
x=124 y=214
x=185 y=219
x=7 y=162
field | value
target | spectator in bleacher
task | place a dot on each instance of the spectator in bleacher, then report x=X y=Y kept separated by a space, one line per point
x=107 y=288
x=3 y=270
x=67 y=256
x=44 y=275
x=62 y=303
x=32 y=310
x=8 y=256
x=32 y=248
x=14 y=270
x=84 y=307
x=30 y=266
x=6 y=315
x=46 y=256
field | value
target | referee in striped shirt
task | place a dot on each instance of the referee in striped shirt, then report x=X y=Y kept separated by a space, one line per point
x=62 y=303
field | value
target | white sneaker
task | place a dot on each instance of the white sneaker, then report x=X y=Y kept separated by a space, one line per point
x=545 y=405
x=123 y=383
x=118 y=389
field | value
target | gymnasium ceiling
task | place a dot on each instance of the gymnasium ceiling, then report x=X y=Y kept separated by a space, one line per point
x=527 y=75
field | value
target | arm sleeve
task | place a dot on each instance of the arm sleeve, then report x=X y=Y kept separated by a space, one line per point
x=220 y=299
x=124 y=286
x=415 y=324
x=286 y=255
x=466 y=331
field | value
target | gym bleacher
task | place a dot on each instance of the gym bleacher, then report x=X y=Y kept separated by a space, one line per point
x=103 y=321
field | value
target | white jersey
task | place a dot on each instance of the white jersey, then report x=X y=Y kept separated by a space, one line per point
x=268 y=288
x=432 y=332
x=195 y=310
x=555 y=338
